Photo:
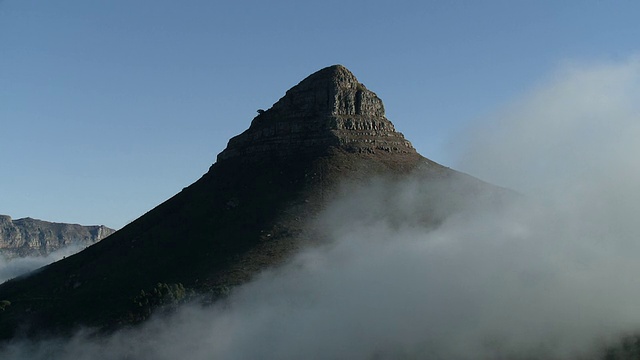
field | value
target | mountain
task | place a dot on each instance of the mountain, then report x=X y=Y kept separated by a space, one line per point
x=32 y=237
x=248 y=212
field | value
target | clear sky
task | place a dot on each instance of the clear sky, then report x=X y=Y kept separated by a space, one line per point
x=109 y=107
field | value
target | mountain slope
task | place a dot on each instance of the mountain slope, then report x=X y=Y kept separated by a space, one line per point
x=246 y=213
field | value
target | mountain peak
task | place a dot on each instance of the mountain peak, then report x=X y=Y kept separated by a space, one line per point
x=250 y=211
x=333 y=90
x=329 y=108
x=337 y=74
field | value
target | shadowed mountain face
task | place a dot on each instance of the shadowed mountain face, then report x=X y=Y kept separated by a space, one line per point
x=246 y=213
x=31 y=237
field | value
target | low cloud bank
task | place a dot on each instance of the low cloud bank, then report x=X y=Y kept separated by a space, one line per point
x=14 y=267
x=551 y=274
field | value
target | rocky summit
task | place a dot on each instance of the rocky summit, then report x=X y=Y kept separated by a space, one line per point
x=32 y=237
x=250 y=211
x=330 y=108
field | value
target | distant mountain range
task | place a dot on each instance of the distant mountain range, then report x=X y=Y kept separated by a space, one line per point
x=32 y=237
x=248 y=212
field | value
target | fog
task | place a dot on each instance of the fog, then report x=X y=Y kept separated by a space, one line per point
x=550 y=274
x=14 y=267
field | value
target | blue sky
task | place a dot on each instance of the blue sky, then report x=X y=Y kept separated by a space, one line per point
x=108 y=108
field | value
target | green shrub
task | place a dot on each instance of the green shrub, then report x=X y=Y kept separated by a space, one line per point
x=4 y=304
x=162 y=295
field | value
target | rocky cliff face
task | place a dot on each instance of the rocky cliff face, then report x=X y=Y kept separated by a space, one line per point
x=31 y=237
x=328 y=108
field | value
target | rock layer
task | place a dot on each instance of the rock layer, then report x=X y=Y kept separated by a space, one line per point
x=31 y=237
x=328 y=108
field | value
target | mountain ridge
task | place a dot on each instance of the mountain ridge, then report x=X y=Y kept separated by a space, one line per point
x=34 y=237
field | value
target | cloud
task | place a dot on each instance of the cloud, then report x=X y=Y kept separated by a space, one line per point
x=14 y=267
x=548 y=275
x=581 y=122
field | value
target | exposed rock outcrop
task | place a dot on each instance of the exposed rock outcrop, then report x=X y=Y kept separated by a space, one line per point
x=32 y=237
x=328 y=108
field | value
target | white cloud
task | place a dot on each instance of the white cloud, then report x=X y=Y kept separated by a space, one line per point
x=14 y=267
x=582 y=122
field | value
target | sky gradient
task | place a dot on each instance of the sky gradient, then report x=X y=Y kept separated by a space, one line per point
x=108 y=108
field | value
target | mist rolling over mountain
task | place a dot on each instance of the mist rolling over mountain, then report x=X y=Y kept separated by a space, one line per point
x=18 y=266
x=248 y=212
x=337 y=240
